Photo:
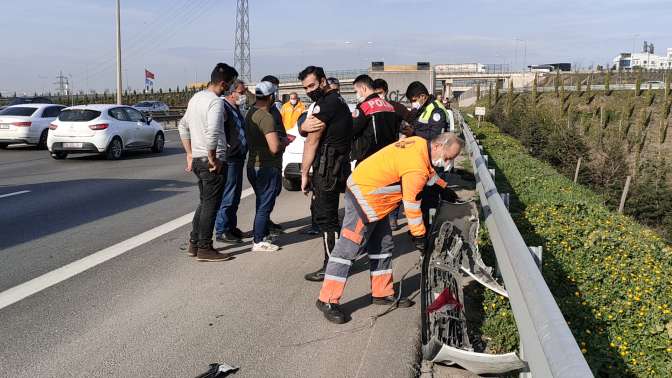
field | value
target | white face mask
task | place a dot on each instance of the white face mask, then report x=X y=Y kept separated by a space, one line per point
x=242 y=100
x=415 y=105
x=293 y=102
x=440 y=163
x=360 y=98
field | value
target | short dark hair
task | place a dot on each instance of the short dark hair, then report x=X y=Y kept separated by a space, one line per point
x=272 y=79
x=364 y=80
x=380 y=84
x=317 y=71
x=223 y=72
x=416 y=88
x=333 y=81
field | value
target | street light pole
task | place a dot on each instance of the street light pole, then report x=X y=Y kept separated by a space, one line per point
x=118 y=52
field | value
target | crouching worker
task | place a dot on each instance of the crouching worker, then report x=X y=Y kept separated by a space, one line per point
x=397 y=173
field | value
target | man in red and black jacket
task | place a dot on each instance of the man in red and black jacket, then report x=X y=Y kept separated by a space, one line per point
x=375 y=122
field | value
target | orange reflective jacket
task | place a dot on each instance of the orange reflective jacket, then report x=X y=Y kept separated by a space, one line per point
x=396 y=173
x=290 y=114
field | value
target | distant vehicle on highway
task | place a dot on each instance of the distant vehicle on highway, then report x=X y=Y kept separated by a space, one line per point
x=151 y=106
x=27 y=124
x=27 y=100
x=105 y=129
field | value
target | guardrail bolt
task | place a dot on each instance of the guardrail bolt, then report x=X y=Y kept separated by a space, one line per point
x=506 y=198
x=536 y=254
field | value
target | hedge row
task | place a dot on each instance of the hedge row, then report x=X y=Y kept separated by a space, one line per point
x=610 y=276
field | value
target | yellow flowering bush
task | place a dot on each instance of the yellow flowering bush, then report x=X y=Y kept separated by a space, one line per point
x=611 y=277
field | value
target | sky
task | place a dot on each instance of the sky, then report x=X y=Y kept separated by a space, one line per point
x=181 y=40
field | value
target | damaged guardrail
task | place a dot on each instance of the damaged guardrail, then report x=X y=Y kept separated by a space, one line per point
x=546 y=343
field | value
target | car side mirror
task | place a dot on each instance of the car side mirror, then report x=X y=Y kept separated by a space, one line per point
x=149 y=120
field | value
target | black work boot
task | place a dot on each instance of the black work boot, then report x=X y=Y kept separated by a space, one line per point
x=192 y=249
x=389 y=300
x=316 y=276
x=211 y=255
x=332 y=312
x=229 y=237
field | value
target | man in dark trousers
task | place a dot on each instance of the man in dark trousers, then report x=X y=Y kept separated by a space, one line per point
x=327 y=151
x=202 y=134
x=226 y=225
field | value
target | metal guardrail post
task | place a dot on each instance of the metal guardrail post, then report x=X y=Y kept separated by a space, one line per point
x=549 y=346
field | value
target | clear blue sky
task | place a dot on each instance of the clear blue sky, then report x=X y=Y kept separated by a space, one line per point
x=180 y=40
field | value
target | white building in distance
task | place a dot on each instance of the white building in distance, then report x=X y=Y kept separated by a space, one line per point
x=645 y=59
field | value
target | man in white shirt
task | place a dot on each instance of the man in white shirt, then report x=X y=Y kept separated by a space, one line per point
x=202 y=134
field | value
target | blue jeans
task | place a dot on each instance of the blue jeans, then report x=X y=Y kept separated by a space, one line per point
x=227 y=219
x=264 y=181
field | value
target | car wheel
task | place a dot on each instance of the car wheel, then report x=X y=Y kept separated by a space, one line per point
x=159 y=141
x=42 y=144
x=291 y=185
x=114 y=150
x=59 y=155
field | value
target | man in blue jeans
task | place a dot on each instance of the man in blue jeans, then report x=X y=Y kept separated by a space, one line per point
x=226 y=225
x=264 y=165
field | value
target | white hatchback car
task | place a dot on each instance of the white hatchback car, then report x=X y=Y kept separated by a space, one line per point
x=105 y=129
x=151 y=106
x=27 y=123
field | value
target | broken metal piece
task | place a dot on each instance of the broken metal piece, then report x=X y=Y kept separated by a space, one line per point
x=219 y=371
x=479 y=363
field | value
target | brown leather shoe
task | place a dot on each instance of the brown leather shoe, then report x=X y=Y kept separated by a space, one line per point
x=192 y=250
x=211 y=255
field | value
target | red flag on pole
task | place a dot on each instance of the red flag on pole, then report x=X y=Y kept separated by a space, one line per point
x=149 y=75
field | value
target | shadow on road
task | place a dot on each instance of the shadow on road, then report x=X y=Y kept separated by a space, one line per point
x=57 y=206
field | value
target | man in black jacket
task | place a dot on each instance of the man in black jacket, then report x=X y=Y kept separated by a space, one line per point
x=375 y=122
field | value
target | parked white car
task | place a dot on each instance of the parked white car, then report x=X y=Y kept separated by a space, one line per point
x=27 y=124
x=293 y=155
x=104 y=129
x=151 y=106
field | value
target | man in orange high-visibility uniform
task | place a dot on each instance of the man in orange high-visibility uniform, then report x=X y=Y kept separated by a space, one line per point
x=397 y=173
x=291 y=111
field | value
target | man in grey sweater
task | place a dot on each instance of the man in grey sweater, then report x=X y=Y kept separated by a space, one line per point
x=202 y=133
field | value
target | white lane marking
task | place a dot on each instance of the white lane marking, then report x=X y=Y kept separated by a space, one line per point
x=26 y=289
x=14 y=194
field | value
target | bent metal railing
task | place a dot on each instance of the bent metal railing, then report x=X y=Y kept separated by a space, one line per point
x=546 y=343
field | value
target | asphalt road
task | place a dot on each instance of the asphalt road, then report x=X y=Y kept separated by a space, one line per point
x=153 y=311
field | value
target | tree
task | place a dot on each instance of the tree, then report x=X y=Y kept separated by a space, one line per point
x=607 y=79
x=638 y=84
x=490 y=96
x=478 y=92
x=535 y=83
x=579 y=84
x=509 y=99
x=556 y=83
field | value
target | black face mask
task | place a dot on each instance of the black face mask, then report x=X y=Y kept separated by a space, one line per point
x=316 y=94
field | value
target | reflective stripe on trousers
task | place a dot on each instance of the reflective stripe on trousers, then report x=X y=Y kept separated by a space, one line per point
x=355 y=234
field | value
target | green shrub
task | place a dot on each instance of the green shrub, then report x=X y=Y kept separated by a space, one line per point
x=609 y=275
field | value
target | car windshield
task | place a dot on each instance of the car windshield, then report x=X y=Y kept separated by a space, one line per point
x=23 y=111
x=143 y=104
x=78 y=115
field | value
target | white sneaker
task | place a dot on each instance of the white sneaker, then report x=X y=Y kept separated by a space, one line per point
x=264 y=246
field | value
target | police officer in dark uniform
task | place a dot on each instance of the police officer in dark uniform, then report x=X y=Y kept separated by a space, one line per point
x=327 y=151
x=375 y=122
x=431 y=119
x=430 y=114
